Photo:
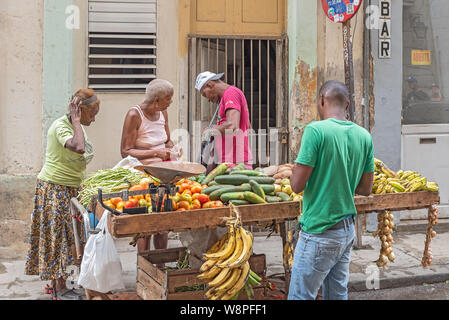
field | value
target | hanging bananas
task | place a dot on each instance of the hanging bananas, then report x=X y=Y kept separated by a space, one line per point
x=387 y=181
x=226 y=268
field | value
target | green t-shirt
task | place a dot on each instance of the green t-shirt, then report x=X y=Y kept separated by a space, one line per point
x=62 y=166
x=340 y=152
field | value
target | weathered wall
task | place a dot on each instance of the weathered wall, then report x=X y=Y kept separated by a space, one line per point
x=388 y=93
x=21 y=50
x=315 y=56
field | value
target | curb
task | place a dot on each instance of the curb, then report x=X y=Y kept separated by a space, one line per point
x=360 y=285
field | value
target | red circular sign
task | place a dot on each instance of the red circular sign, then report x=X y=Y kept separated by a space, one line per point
x=341 y=10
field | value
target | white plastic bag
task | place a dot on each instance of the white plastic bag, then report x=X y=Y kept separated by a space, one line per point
x=101 y=269
x=128 y=163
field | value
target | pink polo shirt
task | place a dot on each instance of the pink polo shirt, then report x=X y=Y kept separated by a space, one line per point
x=234 y=148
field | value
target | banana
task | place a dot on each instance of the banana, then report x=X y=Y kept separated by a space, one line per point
x=207 y=265
x=380 y=188
x=406 y=174
x=228 y=248
x=396 y=185
x=400 y=173
x=231 y=280
x=416 y=186
x=431 y=187
x=209 y=274
x=241 y=281
x=220 y=278
x=217 y=245
x=218 y=295
x=247 y=250
x=237 y=250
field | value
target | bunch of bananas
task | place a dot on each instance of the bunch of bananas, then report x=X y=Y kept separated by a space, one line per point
x=226 y=269
x=384 y=231
x=388 y=181
x=289 y=250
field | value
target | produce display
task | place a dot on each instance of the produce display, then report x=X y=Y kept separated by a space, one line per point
x=226 y=268
x=280 y=172
x=110 y=180
x=388 y=181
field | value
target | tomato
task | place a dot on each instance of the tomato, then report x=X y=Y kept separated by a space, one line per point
x=183 y=187
x=177 y=197
x=144 y=182
x=208 y=204
x=188 y=191
x=148 y=198
x=181 y=209
x=120 y=205
x=216 y=204
x=184 y=204
x=204 y=186
x=203 y=198
x=143 y=203
x=116 y=200
x=129 y=204
x=134 y=201
x=186 y=197
x=196 y=204
x=196 y=189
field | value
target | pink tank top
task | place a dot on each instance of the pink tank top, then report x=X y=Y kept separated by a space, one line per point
x=151 y=135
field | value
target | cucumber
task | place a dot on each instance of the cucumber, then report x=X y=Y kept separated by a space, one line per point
x=235 y=180
x=219 y=170
x=283 y=196
x=268 y=188
x=257 y=189
x=264 y=180
x=270 y=194
x=251 y=173
x=232 y=196
x=238 y=202
x=215 y=195
x=253 y=198
x=271 y=199
x=240 y=166
x=213 y=183
x=210 y=189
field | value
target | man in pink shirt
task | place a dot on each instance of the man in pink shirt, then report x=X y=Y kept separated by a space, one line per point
x=231 y=131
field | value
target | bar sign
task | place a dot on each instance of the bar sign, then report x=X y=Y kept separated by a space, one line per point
x=385 y=29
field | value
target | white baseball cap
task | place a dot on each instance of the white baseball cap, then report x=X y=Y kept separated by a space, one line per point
x=205 y=76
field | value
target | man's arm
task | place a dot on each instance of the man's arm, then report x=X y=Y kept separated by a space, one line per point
x=232 y=121
x=299 y=177
x=366 y=184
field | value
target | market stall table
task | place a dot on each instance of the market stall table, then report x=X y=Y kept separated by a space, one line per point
x=148 y=224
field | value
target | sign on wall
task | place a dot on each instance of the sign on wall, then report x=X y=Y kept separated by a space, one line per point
x=421 y=57
x=385 y=29
x=340 y=10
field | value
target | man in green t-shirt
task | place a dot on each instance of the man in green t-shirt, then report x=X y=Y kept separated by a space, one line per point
x=335 y=162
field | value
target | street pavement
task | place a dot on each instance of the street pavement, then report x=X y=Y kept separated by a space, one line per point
x=366 y=280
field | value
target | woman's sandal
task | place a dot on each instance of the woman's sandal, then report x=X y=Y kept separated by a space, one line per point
x=48 y=289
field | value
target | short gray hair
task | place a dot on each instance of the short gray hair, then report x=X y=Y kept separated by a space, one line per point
x=158 y=88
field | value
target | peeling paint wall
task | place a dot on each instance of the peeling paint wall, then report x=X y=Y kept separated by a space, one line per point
x=315 y=56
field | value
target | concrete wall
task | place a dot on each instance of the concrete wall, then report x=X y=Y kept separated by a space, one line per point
x=388 y=93
x=21 y=135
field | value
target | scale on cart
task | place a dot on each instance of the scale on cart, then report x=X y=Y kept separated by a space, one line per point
x=168 y=173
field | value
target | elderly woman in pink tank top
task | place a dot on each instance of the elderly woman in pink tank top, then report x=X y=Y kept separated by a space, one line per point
x=146 y=136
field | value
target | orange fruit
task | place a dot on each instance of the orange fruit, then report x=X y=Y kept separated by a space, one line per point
x=184 y=204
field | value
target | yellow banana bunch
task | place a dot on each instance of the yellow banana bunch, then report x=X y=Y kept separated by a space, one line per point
x=226 y=263
x=382 y=168
x=289 y=250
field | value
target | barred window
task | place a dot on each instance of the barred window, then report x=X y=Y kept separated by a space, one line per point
x=122 y=44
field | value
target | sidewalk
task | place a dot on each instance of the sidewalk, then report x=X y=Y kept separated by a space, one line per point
x=405 y=271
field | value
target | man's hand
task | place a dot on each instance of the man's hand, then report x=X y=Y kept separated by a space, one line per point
x=169 y=144
x=299 y=177
x=163 y=153
x=365 y=185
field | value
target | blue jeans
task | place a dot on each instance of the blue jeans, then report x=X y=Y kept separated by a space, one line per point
x=322 y=260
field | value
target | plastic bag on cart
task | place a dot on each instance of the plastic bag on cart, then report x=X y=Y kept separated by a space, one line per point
x=101 y=268
x=128 y=163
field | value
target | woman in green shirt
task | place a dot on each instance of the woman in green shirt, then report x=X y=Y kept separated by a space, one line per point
x=68 y=152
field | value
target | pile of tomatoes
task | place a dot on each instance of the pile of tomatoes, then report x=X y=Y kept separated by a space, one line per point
x=133 y=201
x=189 y=197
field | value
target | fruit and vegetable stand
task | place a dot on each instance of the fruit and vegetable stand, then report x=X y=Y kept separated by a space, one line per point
x=236 y=198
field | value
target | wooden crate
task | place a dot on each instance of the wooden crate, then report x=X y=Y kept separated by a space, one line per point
x=155 y=284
